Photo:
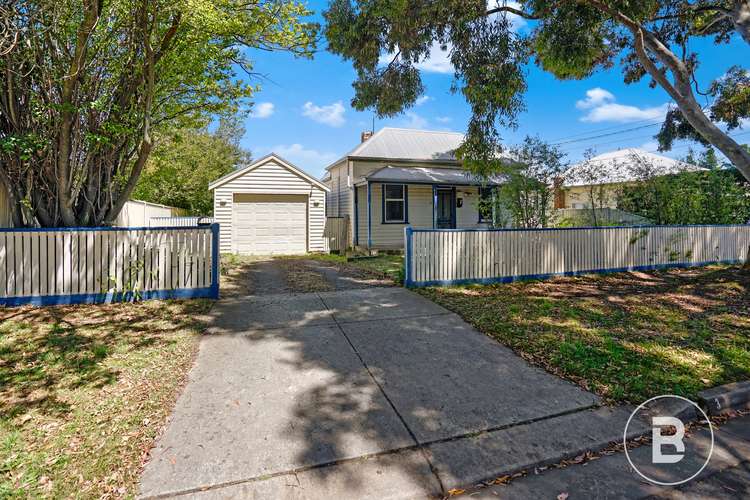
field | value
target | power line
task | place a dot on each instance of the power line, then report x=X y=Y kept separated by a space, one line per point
x=606 y=129
x=586 y=139
x=594 y=146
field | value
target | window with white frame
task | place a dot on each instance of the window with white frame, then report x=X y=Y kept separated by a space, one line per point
x=394 y=203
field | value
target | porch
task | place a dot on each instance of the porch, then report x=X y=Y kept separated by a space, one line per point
x=391 y=198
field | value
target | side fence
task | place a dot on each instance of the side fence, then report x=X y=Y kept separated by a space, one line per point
x=106 y=264
x=179 y=221
x=335 y=234
x=456 y=256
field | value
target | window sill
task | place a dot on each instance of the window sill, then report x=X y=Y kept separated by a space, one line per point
x=395 y=222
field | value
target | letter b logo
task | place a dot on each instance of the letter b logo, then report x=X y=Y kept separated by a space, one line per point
x=660 y=440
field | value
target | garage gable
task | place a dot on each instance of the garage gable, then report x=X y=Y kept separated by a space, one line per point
x=271 y=162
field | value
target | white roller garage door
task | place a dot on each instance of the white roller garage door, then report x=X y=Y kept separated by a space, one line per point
x=269 y=224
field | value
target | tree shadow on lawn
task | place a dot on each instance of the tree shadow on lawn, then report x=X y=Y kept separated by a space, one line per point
x=626 y=336
x=49 y=351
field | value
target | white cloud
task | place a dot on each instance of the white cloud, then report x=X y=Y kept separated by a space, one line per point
x=262 y=110
x=306 y=159
x=443 y=119
x=614 y=112
x=415 y=121
x=437 y=62
x=516 y=22
x=601 y=107
x=423 y=100
x=332 y=114
x=595 y=97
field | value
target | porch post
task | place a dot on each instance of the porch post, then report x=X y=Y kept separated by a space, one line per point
x=369 y=215
x=356 y=217
x=434 y=204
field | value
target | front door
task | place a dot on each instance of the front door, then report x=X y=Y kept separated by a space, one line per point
x=445 y=208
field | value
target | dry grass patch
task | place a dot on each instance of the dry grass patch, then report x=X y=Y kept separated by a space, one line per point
x=627 y=336
x=84 y=390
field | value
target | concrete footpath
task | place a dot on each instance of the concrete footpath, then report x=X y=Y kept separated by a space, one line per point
x=371 y=393
x=727 y=475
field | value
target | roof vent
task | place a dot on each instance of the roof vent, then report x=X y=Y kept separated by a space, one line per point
x=366 y=135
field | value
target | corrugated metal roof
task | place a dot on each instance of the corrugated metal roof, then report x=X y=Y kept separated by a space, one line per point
x=424 y=175
x=408 y=144
x=625 y=165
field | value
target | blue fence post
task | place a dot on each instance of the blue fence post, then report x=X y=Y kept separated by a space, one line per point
x=408 y=235
x=215 y=278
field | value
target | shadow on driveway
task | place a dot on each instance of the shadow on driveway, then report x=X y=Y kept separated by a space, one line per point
x=359 y=393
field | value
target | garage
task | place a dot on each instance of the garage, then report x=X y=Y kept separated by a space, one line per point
x=270 y=224
x=270 y=207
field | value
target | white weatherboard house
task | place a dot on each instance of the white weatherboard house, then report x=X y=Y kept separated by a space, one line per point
x=401 y=177
x=611 y=171
x=270 y=207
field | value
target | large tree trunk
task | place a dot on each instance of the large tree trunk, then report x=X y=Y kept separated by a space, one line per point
x=741 y=18
x=682 y=93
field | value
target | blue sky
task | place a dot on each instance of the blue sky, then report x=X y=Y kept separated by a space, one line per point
x=302 y=111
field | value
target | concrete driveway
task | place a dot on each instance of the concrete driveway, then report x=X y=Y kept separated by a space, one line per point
x=369 y=393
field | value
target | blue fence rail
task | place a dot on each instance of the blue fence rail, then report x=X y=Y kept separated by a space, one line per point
x=461 y=256
x=107 y=264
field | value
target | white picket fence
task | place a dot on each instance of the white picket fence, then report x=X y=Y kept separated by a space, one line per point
x=455 y=256
x=85 y=265
x=179 y=221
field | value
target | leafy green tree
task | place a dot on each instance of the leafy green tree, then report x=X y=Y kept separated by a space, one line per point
x=526 y=195
x=569 y=38
x=86 y=84
x=185 y=161
x=718 y=196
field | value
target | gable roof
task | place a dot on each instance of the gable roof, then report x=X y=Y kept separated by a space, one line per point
x=262 y=161
x=625 y=165
x=408 y=144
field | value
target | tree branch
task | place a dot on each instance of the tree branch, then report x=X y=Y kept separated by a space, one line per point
x=511 y=10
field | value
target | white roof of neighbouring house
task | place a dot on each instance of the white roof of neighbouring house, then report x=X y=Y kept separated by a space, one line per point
x=624 y=165
x=424 y=175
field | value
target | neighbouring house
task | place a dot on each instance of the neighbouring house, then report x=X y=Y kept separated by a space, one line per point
x=401 y=177
x=270 y=207
x=606 y=173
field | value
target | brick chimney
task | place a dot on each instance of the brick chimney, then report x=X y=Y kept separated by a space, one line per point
x=366 y=135
x=559 y=193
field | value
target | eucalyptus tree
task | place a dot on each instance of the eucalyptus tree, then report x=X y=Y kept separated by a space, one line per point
x=569 y=38
x=84 y=85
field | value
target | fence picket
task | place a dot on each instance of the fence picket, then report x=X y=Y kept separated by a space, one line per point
x=58 y=266
x=461 y=256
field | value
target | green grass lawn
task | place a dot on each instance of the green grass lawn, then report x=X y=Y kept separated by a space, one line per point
x=626 y=336
x=84 y=390
x=381 y=266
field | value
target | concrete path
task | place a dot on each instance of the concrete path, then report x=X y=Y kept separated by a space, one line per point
x=727 y=475
x=365 y=393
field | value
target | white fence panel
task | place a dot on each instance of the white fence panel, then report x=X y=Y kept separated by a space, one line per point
x=179 y=221
x=454 y=256
x=85 y=265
